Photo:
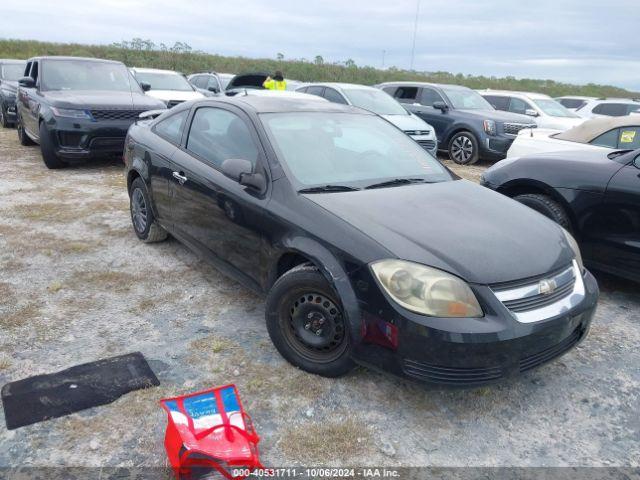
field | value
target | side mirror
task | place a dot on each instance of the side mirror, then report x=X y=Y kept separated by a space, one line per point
x=531 y=112
x=27 y=82
x=213 y=89
x=145 y=86
x=440 y=106
x=241 y=171
x=636 y=162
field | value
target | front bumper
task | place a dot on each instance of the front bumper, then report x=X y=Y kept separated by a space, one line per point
x=428 y=142
x=75 y=139
x=495 y=147
x=473 y=352
x=9 y=107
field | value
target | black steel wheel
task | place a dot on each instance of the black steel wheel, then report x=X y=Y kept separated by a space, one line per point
x=306 y=323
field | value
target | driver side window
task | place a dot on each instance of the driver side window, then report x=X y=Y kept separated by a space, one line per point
x=519 y=106
x=217 y=135
x=429 y=96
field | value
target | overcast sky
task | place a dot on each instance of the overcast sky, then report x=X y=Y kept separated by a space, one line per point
x=578 y=41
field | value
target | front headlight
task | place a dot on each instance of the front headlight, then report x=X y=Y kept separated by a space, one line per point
x=70 y=113
x=489 y=127
x=426 y=290
x=575 y=247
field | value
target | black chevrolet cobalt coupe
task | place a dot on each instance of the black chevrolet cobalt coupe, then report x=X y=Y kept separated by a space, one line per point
x=369 y=250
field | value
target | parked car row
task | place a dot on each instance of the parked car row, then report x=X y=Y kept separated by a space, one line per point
x=590 y=107
x=330 y=201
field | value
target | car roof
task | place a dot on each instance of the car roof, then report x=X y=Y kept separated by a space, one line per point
x=615 y=100
x=155 y=70
x=513 y=93
x=347 y=86
x=12 y=60
x=285 y=94
x=422 y=84
x=282 y=104
x=575 y=97
x=84 y=59
x=587 y=131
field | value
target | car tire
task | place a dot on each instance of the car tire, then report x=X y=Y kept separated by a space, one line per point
x=3 y=118
x=49 y=156
x=546 y=206
x=463 y=148
x=142 y=218
x=25 y=140
x=306 y=323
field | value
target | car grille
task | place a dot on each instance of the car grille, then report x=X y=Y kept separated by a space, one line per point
x=115 y=114
x=413 y=133
x=427 y=144
x=532 y=361
x=451 y=375
x=173 y=103
x=542 y=297
x=514 y=128
x=107 y=143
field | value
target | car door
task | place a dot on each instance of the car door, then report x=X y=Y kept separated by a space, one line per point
x=31 y=102
x=161 y=166
x=440 y=120
x=619 y=236
x=212 y=212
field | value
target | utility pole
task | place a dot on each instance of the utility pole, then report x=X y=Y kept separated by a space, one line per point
x=415 y=32
x=384 y=53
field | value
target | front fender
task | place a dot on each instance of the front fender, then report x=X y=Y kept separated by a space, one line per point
x=335 y=274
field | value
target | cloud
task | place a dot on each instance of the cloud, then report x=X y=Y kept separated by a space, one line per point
x=579 y=41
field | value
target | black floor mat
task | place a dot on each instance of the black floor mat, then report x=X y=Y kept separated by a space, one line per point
x=43 y=397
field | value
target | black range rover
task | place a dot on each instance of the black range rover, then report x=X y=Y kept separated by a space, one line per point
x=10 y=72
x=78 y=108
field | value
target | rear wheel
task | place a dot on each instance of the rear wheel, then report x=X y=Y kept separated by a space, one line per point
x=547 y=206
x=142 y=218
x=463 y=148
x=306 y=323
x=24 y=139
x=49 y=156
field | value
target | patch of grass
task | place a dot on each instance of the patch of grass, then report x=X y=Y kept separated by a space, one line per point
x=7 y=295
x=213 y=344
x=111 y=280
x=20 y=316
x=317 y=442
x=5 y=363
x=55 y=286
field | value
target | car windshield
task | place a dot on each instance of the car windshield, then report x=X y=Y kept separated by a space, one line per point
x=374 y=100
x=225 y=78
x=466 y=99
x=85 y=75
x=164 y=81
x=347 y=149
x=12 y=71
x=553 y=108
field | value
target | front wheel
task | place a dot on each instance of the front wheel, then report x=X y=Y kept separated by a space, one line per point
x=306 y=323
x=49 y=155
x=24 y=139
x=463 y=148
x=546 y=206
x=3 y=118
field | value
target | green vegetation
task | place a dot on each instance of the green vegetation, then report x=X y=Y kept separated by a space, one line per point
x=181 y=57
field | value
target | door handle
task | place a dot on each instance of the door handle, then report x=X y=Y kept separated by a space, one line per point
x=180 y=177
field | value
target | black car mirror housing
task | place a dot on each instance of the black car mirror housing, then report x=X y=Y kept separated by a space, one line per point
x=241 y=171
x=213 y=89
x=145 y=86
x=441 y=106
x=636 y=162
x=27 y=82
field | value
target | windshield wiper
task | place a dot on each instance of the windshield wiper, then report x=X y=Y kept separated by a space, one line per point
x=617 y=153
x=396 y=181
x=328 y=188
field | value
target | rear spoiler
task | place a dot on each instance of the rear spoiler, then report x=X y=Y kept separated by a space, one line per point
x=151 y=114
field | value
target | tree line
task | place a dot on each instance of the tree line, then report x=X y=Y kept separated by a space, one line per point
x=181 y=57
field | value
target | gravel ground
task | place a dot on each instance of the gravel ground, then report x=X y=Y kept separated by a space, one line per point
x=76 y=286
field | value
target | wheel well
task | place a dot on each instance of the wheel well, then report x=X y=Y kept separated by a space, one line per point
x=457 y=130
x=131 y=176
x=288 y=261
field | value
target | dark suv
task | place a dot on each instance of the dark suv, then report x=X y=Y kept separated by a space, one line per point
x=10 y=73
x=78 y=108
x=466 y=125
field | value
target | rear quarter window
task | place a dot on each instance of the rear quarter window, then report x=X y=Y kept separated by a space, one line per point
x=171 y=128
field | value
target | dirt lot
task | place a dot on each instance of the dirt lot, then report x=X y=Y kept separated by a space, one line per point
x=76 y=286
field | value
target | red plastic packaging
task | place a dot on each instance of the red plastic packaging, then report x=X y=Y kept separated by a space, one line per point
x=210 y=430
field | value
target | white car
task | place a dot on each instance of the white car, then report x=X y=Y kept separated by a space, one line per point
x=573 y=102
x=620 y=133
x=381 y=103
x=609 y=107
x=166 y=85
x=546 y=112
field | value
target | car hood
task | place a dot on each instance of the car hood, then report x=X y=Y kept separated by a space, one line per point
x=102 y=99
x=168 y=95
x=561 y=123
x=498 y=116
x=408 y=122
x=456 y=226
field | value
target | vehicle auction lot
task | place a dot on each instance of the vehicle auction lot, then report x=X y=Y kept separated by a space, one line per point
x=78 y=286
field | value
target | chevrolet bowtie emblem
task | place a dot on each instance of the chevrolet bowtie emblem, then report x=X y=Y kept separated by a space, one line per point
x=547 y=287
